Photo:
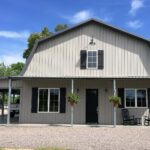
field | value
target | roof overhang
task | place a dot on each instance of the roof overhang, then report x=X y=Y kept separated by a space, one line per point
x=30 y=77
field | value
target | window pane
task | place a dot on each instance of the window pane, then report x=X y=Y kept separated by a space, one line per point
x=141 y=98
x=130 y=98
x=94 y=53
x=90 y=53
x=54 y=99
x=43 y=100
x=92 y=59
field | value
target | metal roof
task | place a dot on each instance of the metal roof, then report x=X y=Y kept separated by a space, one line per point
x=31 y=77
x=98 y=22
x=74 y=27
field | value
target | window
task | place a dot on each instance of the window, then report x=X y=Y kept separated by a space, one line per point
x=43 y=100
x=92 y=59
x=135 y=97
x=141 y=98
x=48 y=100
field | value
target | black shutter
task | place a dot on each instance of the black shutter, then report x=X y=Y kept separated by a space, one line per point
x=100 y=59
x=34 y=103
x=148 y=94
x=83 y=57
x=121 y=95
x=62 y=100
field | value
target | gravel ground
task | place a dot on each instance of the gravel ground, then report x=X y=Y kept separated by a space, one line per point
x=77 y=137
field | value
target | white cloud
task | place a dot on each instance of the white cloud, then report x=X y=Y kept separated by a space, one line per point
x=135 y=24
x=10 y=59
x=14 y=34
x=86 y=14
x=135 y=6
x=80 y=16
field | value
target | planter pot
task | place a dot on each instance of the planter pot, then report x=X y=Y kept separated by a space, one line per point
x=115 y=104
x=72 y=103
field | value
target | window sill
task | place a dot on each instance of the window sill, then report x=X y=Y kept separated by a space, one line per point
x=48 y=112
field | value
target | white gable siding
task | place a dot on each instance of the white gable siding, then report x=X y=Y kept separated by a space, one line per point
x=60 y=57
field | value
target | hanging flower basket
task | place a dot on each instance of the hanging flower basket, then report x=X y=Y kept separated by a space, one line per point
x=115 y=100
x=73 y=98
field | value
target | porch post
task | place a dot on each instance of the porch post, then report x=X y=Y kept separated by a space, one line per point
x=72 y=110
x=114 y=85
x=9 y=99
x=3 y=99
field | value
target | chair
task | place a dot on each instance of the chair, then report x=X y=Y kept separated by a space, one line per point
x=147 y=119
x=127 y=119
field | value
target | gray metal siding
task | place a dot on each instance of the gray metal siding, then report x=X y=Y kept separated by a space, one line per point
x=15 y=84
x=60 y=57
x=105 y=107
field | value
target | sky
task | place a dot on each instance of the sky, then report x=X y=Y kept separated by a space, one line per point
x=20 y=18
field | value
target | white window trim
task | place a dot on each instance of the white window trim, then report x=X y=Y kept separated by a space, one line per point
x=135 y=89
x=96 y=60
x=49 y=101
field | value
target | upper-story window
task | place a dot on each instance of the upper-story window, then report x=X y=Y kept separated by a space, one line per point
x=92 y=59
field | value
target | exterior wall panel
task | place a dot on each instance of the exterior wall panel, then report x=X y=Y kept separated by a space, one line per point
x=105 y=108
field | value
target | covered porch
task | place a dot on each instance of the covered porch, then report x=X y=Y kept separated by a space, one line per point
x=104 y=87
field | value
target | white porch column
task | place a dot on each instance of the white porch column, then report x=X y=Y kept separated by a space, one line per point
x=72 y=110
x=9 y=100
x=114 y=89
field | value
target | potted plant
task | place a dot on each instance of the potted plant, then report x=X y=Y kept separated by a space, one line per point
x=73 y=98
x=115 y=100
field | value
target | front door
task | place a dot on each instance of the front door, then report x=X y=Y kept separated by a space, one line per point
x=91 y=105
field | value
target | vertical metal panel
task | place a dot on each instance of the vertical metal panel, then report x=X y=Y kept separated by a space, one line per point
x=123 y=55
x=105 y=88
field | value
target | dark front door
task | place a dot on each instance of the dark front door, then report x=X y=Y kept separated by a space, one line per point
x=91 y=105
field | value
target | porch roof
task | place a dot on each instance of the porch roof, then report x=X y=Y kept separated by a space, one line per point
x=68 y=77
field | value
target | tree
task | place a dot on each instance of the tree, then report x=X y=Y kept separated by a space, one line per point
x=43 y=34
x=61 y=27
x=15 y=69
x=33 y=38
x=3 y=69
x=12 y=70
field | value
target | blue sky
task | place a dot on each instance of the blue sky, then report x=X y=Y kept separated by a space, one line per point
x=19 y=18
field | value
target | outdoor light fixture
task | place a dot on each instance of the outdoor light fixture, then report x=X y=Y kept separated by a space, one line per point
x=106 y=90
x=92 y=41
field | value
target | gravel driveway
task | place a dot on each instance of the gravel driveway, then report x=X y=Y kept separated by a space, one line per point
x=78 y=137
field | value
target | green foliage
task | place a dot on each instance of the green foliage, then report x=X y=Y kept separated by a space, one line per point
x=15 y=69
x=115 y=100
x=31 y=41
x=61 y=27
x=33 y=38
x=12 y=70
x=3 y=69
x=43 y=34
x=73 y=98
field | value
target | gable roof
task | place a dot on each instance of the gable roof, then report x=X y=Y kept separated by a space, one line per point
x=98 y=22
x=92 y=20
